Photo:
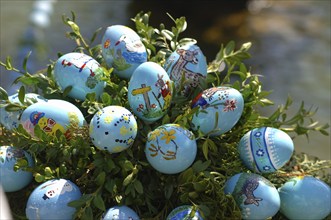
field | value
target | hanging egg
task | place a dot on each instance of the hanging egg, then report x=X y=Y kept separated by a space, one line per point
x=220 y=108
x=265 y=149
x=10 y=179
x=123 y=50
x=113 y=128
x=10 y=120
x=170 y=148
x=189 y=62
x=80 y=71
x=50 y=200
x=305 y=198
x=256 y=196
x=150 y=92
x=184 y=212
x=120 y=213
x=52 y=116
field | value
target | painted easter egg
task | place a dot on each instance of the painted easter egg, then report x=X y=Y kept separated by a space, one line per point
x=10 y=120
x=10 y=179
x=265 y=149
x=80 y=71
x=220 y=108
x=189 y=62
x=52 y=116
x=305 y=198
x=120 y=213
x=170 y=148
x=49 y=200
x=113 y=128
x=184 y=212
x=149 y=92
x=256 y=196
x=123 y=50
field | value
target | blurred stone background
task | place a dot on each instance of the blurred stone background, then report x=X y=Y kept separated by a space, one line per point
x=291 y=41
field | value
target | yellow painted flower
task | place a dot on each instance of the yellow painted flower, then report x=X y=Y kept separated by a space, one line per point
x=124 y=130
x=117 y=149
x=126 y=118
x=91 y=128
x=168 y=136
x=108 y=119
x=73 y=118
x=152 y=135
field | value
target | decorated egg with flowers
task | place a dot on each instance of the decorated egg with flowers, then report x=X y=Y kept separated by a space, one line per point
x=120 y=213
x=265 y=149
x=184 y=212
x=170 y=148
x=220 y=108
x=256 y=196
x=81 y=72
x=10 y=179
x=113 y=129
x=123 y=50
x=50 y=200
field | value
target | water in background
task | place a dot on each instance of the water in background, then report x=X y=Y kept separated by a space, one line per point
x=291 y=41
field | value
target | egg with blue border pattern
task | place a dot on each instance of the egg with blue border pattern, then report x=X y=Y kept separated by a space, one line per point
x=10 y=179
x=189 y=62
x=170 y=148
x=50 y=200
x=265 y=149
x=80 y=71
x=305 y=197
x=113 y=128
x=123 y=50
x=120 y=213
x=150 y=92
x=52 y=116
x=10 y=119
x=184 y=212
x=220 y=108
x=256 y=196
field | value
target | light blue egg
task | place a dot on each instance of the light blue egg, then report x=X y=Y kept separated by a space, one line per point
x=265 y=149
x=80 y=71
x=170 y=148
x=305 y=198
x=49 y=200
x=52 y=116
x=183 y=213
x=150 y=92
x=113 y=128
x=123 y=50
x=256 y=196
x=10 y=120
x=120 y=213
x=189 y=62
x=11 y=180
x=220 y=109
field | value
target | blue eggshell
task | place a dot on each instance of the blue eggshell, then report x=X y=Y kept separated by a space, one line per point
x=305 y=198
x=170 y=148
x=187 y=61
x=183 y=212
x=11 y=180
x=10 y=120
x=265 y=149
x=256 y=196
x=123 y=50
x=150 y=92
x=80 y=71
x=52 y=116
x=113 y=128
x=49 y=200
x=224 y=103
x=120 y=213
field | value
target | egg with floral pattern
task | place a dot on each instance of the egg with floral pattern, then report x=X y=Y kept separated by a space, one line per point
x=265 y=149
x=123 y=50
x=50 y=200
x=80 y=71
x=184 y=212
x=220 y=108
x=10 y=179
x=120 y=213
x=113 y=128
x=170 y=148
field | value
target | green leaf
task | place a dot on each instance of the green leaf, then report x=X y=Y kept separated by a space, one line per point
x=9 y=63
x=13 y=107
x=128 y=179
x=167 y=34
x=66 y=91
x=205 y=148
x=105 y=98
x=138 y=186
x=21 y=94
x=88 y=214
x=200 y=166
x=3 y=94
x=74 y=27
x=25 y=61
x=100 y=180
x=229 y=48
x=99 y=203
